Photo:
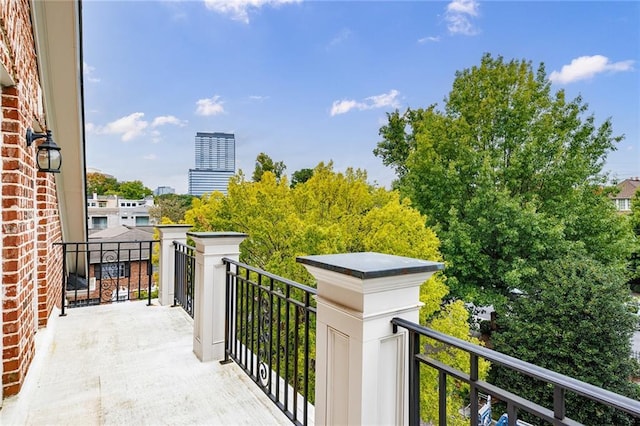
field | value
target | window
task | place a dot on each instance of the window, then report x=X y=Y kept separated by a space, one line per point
x=102 y=204
x=142 y=220
x=99 y=222
x=623 y=204
x=113 y=270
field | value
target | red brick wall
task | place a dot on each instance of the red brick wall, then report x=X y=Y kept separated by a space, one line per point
x=29 y=215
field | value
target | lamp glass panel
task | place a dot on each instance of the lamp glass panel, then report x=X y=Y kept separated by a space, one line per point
x=50 y=160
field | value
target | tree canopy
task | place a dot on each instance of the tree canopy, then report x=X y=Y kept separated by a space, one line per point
x=591 y=344
x=101 y=184
x=98 y=183
x=170 y=206
x=301 y=176
x=508 y=173
x=264 y=163
x=336 y=213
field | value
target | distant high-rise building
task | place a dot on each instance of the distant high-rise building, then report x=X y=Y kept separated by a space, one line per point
x=163 y=190
x=215 y=163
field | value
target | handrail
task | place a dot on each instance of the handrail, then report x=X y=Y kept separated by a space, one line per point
x=587 y=390
x=269 y=330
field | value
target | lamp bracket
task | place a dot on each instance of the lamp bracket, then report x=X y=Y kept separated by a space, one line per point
x=32 y=136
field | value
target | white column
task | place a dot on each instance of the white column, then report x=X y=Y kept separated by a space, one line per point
x=210 y=284
x=361 y=365
x=166 y=274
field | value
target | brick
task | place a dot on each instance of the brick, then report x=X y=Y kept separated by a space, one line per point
x=10 y=126
x=11 y=365
x=11 y=340
x=12 y=165
x=9 y=316
x=11 y=189
x=10 y=114
x=11 y=389
x=8 y=353
x=10 y=90
x=10 y=101
x=12 y=139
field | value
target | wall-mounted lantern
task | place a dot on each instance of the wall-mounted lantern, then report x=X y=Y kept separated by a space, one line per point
x=48 y=157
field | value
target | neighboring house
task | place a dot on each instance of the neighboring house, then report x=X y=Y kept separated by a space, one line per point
x=40 y=79
x=110 y=211
x=628 y=188
x=119 y=266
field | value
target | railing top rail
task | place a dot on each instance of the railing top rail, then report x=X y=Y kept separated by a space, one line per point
x=63 y=243
x=272 y=276
x=180 y=244
x=582 y=388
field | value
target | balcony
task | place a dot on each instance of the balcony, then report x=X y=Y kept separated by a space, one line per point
x=129 y=363
x=226 y=343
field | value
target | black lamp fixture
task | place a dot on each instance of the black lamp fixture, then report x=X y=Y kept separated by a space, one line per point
x=48 y=157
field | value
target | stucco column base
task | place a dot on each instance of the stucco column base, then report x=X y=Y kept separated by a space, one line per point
x=361 y=364
x=210 y=289
x=167 y=264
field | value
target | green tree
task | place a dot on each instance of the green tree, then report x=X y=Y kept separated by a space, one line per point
x=301 y=176
x=171 y=206
x=505 y=141
x=133 y=190
x=98 y=183
x=634 y=260
x=337 y=213
x=592 y=345
x=509 y=176
x=264 y=163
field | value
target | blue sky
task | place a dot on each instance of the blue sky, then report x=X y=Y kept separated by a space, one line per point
x=311 y=81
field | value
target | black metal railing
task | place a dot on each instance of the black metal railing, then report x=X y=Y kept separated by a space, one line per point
x=270 y=332
x=561 y=384
x=97 y=272
x=184 y=276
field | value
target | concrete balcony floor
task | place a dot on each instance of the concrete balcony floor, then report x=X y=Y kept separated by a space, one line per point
x=131 y=364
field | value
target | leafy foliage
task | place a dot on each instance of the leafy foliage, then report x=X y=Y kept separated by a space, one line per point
x=133 y=190
x=301 y=176
x=593 y=345
x=509 y=176
x=264 y=163
x=171 y=206
x=98 y=183
x=333 y=213
x=634 y=259
x=504 y=140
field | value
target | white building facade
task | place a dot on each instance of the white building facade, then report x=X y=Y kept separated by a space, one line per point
x=111 y=211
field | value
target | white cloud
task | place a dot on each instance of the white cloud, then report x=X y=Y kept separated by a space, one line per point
x=150 y=157
x=384 y=100
x=89 y=127
x=168 y=119
x=586 y=67
x=430 y=38
x=258 y=98
x=155 y=136
x=209 y=106
x=239 y=10
x=340 y=38
x=459 y=14
x=378 y=101
x=345 y=105
x=130 y=126
x=88 y=73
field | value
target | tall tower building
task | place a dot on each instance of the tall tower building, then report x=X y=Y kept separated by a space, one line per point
x=215 y=163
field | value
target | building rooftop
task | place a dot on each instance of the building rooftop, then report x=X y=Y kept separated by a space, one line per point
x=129 y=363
